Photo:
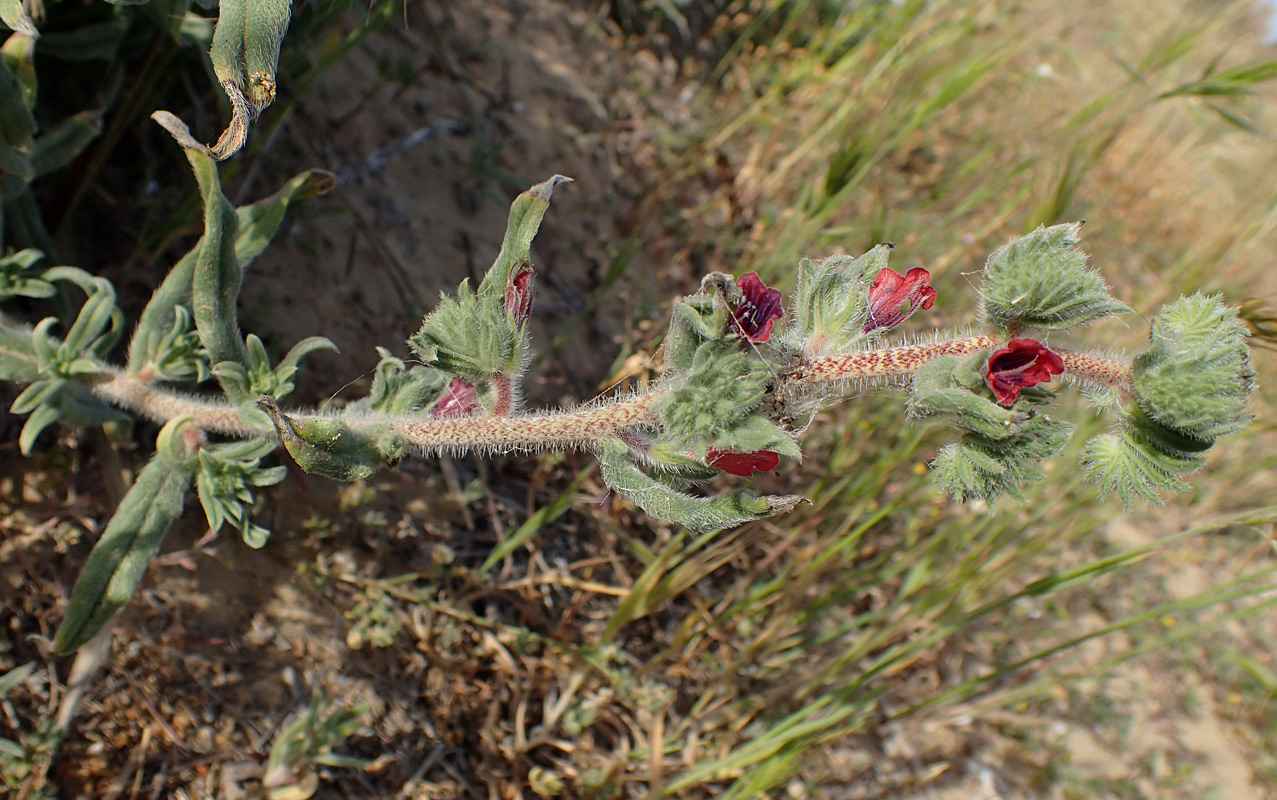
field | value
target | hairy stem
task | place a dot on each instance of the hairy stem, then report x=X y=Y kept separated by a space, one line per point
x=1096 y=369
x=576 y=428
x=885 y=363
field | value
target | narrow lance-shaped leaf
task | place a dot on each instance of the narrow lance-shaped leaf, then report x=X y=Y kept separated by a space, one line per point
x=259 y=221
x=119 y=559
x=699 y=514
x=59 y=145
x=257 y=224
x=17 y=125
x=216 y=275
x=18 y=53
x=245 y=56
x=526 y=213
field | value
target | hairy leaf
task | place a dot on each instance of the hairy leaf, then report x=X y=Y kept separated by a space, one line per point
x=245 y=54
x=119 y=559
x=1196 y=377
x=259 y=221
x=699 y=514
x=215 y=273
x=59 y=145
x=526 y=213
x=1041 y=281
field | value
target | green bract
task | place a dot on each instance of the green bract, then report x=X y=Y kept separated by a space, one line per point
x=1195 y=377
x=224 y=480
x=1191 y=386
x=830 y=302
x=397 y=389
x=715 y=396
x=470 y=336
x=1041 y=281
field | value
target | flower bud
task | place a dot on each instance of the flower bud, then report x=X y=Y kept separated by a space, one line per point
x=518 y=293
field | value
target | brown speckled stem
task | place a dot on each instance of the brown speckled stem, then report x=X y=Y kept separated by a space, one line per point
x=1096 y=369
x=885 y=363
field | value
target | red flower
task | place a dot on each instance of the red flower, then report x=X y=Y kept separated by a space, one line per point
x=458 y=401
x=743 y=464
x=1022 y=363
x=759 y=307
x=518 y=294
x=890 y=292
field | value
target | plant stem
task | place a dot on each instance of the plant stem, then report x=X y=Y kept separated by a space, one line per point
x=576 y=428
x=888 y=362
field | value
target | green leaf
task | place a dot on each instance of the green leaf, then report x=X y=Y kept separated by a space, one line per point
x=89 y=333
x=259 y=221
x=40 y=418
x=939 y=393
x=1120 y=463
x=18 y=360
x=980 y=467
x=119 y=558
x=59 y=145
x=17 y=125
x=97 y=42
x=699 y=514
x=1196 y=377
x=21 y=276
x=18 y=52
x=526 y=213
x=216 y=274
x=155 y=322
x=469 y=335
x=397 y=390
x=245 y=56
x=1041 y=281
x=715 y=397
x=225 y=477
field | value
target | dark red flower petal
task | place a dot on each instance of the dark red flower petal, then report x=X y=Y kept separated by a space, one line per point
x=518 y=294
x=743 y=464
x=1022 y=363
x=459 y=401
x=894 y=297
x=758 y=309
